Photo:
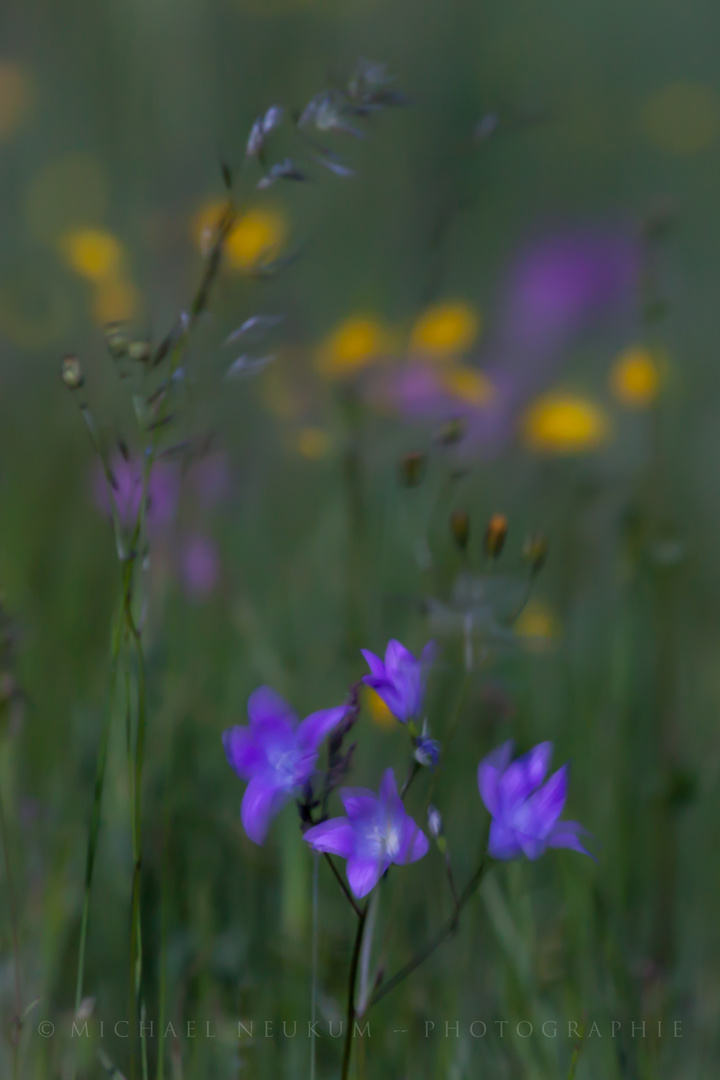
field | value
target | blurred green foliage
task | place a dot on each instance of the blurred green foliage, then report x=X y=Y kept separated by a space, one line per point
x=114 y=119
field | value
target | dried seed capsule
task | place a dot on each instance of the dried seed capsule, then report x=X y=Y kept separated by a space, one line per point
x=495 y=535
x=460 y=528
x=535 y=551
x=412 y=468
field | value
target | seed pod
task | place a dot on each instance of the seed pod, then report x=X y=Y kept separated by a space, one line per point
x=495 y=534
x=535 y=551
x=460 y=528
x=451 y=433
x=72 y=373
x=412 y=468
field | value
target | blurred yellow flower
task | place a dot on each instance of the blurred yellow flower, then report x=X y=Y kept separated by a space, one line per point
x=537 y=623
x=313 y=443
x=635 y=378
x=257 y=235
x=469 y=385
x=379 y=712
x=356 y=343
x=92 y=253
x=17 y=94
x=116 y=300
x=563 y=424
x=445 y=330
x=682 y=118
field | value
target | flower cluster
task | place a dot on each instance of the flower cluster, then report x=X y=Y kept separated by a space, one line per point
x=277 y=755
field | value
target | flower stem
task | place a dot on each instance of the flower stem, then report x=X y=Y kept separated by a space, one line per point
x=351 y=1013
x=449 y=928
x=17 y=1019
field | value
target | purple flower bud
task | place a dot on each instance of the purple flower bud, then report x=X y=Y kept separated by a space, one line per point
x=427 y=750
x=376 y=833
x=275 y=754
x=400 y=679
x=525 y=811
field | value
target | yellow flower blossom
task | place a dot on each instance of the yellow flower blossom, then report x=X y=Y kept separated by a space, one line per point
x=444 y=330
x=379 y=712
x=538 y=625
x=469 y=385
x=355 y=343
x=92 y=253
x=254 y=238
x=564 y=424
x=635 y=378
x=313 y=443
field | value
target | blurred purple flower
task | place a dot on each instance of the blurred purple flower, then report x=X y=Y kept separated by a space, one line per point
x=525 y=811
x=210 y=479
x=557 y=287
x=276 y=754
x=400 y=679
x=199 y=565
x=376 y=832
x=163 y=491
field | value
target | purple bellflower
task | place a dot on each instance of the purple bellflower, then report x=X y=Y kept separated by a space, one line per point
x=525 y=811
x=400 y=679
x=276 y=754
x=376 y=832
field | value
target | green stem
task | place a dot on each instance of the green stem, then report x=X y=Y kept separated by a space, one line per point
x=449 y=928
x=17 y=1019
x=351 y=1014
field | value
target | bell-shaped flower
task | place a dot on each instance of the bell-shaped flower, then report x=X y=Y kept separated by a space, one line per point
x=276 y=754
x=400 y=679
x=376 y=832
x=525 y=811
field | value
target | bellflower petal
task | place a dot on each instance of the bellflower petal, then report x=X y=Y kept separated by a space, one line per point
x=261 y=801
x=566 y=834
x=546 y=805
x=314 y=728
x=377 y=832
x=490 y=771
x=377 y=668
x=358 y=802
x=413 y=843
x=275 y=754
x=400 y=679
x=363 y=875
x=265 y=705
x=335 y=836
x=525 y=811
x=243 y=752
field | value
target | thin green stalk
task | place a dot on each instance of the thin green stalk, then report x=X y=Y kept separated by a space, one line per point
x=351 y=1013
x=96 y=816
x=17 y=1019
x=449 y=928
x=315 y=943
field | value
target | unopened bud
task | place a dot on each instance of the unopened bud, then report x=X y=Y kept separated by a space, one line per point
x=460 y=528
x=495 y=535
x=412 y=468
x=435 y=823
x=116 y=339
x=72 y=373
x=535 y=551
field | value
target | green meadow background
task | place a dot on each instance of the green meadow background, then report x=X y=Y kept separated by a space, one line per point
x=114 y=121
